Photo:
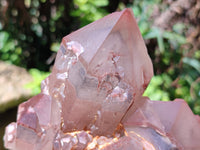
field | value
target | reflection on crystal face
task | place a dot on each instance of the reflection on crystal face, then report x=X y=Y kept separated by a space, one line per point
x=119 y=98
x=10 y=135
x=73 y=140
x=62 y=76
x=160 y=142
x=69 y=56
x=45 y=86
x=75 y=47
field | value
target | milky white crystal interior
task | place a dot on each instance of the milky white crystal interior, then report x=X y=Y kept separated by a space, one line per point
x=93 y=97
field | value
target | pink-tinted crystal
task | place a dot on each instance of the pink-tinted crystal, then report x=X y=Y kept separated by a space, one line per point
x=93 y=98
x=99 y=71
x=172 y=119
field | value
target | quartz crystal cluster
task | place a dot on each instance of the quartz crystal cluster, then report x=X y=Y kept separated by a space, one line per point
x=93 y=97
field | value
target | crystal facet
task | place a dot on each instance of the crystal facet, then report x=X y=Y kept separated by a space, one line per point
x=93 y=97
x=172 y=119
x=94 y=79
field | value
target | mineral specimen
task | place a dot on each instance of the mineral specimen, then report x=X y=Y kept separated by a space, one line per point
x=93 y=97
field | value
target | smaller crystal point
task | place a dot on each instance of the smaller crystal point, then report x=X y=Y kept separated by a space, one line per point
x=179 y=125
x=10 y=136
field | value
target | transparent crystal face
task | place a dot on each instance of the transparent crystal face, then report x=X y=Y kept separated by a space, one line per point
x=159 y=141
x=104 y=88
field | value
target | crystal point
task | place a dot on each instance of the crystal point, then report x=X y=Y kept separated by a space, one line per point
x=99 y=89
x=93 y=97
x=172 y=119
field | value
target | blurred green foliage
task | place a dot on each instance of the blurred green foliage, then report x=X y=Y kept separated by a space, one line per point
x=32 y=34
x=38 y=76
x=30 y=28
x=176 y=74
x=10 y=51
x=89 y=10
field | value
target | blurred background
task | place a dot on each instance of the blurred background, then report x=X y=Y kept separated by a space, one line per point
x=31 y=31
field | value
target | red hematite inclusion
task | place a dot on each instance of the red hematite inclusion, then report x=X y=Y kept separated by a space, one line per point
x=93 y=98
